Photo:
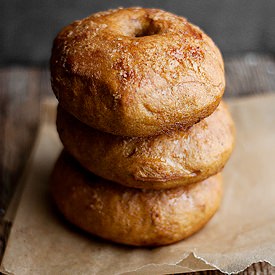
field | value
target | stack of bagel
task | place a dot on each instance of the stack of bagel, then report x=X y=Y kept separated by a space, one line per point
x=144 y=129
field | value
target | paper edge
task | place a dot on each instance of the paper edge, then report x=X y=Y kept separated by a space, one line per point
x=4 y=271
x=234 y=272
x=189 y=269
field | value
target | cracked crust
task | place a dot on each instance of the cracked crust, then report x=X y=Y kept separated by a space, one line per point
x=136 y=72
x=158 y=162
x=128 y=215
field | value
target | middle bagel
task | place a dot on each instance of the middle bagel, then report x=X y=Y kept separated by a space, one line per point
x=157 y=162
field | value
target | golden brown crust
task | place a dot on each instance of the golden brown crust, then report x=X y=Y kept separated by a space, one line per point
x=132 y=216
x=157 y=162
x=136 y=72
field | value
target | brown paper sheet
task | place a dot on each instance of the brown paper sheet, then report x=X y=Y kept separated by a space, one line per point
x=241 y=233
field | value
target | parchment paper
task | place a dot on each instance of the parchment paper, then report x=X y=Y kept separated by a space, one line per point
x=241 y=233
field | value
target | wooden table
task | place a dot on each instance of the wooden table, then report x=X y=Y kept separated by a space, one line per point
x=22 y=89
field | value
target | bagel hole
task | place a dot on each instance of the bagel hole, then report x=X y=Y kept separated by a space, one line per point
x=147 y=29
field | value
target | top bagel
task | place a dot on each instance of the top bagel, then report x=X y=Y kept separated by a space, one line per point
x=136 y=72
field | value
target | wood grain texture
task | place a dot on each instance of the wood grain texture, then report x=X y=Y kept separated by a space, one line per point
x=23 y=88
x=250 y=74
x=20 y=95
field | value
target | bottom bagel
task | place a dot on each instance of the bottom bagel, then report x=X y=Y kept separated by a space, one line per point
x=128 y=215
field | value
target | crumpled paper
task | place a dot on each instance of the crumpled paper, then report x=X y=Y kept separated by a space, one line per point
x=241 y=233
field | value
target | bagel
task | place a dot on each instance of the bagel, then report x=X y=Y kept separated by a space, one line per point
x=136 y=72
x=128 y=215
x=156 y=162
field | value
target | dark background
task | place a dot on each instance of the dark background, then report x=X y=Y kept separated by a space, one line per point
x=27 y=28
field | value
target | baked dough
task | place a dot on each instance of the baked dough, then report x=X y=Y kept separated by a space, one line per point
x=136 y=72
x=165 y=161
x=128 y=215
